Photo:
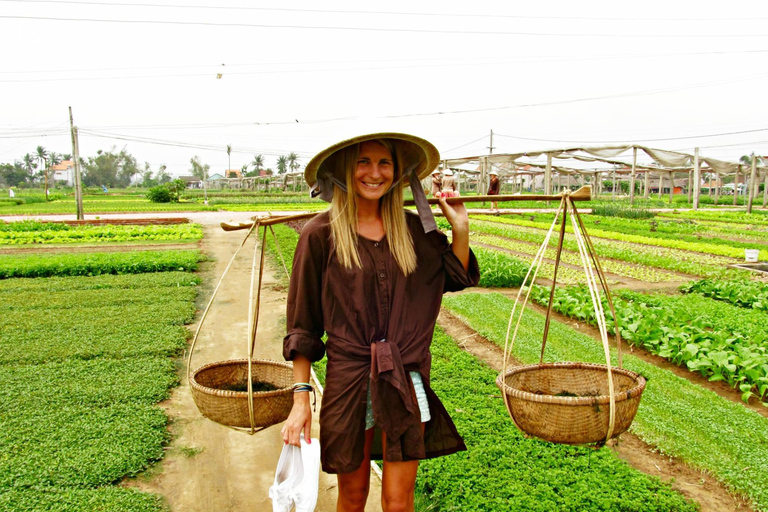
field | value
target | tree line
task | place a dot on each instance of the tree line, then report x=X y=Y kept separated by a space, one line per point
x=117 y=169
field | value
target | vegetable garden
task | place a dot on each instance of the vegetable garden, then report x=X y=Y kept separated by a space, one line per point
x=103 y=329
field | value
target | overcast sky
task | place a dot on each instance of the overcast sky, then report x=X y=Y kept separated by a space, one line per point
x=301 y=75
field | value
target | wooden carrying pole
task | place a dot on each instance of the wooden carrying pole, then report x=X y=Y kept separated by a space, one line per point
x=583 y=194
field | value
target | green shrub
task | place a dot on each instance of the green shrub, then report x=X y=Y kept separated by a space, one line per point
x=159 y=194
x=608 y=210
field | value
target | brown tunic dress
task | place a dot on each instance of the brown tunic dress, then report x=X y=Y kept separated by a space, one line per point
x=379 y=325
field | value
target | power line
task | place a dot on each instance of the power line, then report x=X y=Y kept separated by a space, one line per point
x=377 y=13
x=388 y=29
x=660 y=139
x=424 y=63
x=161 y=142
x=467 y=144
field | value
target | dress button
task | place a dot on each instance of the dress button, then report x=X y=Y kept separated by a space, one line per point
x=376 y=244
x=381 y=275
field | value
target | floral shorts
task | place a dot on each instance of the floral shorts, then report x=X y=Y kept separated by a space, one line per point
x=421 y=397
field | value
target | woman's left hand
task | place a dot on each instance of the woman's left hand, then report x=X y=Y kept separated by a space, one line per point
x=457 y=215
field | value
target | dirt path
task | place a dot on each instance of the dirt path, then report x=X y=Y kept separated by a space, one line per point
x=209 y=467
x=694 y=485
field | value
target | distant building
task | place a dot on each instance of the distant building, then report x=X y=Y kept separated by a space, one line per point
x=192 y=181
x=64 y=173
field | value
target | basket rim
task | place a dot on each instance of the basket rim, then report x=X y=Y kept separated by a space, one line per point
x=635 y=391
x=197 y=387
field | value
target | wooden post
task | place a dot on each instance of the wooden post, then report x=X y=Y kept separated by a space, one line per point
x=690 y=186
x=671 y=187
x=646 y=189
x=613 y=186
x=76 y=165
x=751 y=189
x=696 y=179
x=736 y=185
x=717 y=186
x=661 y=182
x=765 y=189
x=548 y=176
x=632 y=178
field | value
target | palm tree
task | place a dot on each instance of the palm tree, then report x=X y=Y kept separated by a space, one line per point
x=229 y=160
x=42 y=158
x=282 y=165
x=258 y=163
x=53 y=159
x=293 y=161
x=29 y=164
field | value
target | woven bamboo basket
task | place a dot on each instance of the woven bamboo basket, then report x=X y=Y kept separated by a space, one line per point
x=570 y=402
x=209 y=385
x=540 y=400
x=212 y=384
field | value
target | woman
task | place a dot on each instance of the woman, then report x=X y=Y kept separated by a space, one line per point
x=437 y=183
x=371 y=276
x=449 y=185
x=493 y=189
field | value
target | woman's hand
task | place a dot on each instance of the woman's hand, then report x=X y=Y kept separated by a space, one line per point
x=457 y=215
x=299 y=420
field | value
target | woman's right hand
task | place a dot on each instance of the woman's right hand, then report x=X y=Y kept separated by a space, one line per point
x=299 y=420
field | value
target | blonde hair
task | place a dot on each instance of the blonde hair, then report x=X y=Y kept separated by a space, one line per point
x=344 y=213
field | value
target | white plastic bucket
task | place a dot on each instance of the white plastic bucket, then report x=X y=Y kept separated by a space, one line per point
x=750 y=255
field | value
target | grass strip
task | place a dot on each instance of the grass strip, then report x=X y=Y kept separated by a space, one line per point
x=112 y=499
x=677 y=260
x=502 y=470
x=124 y=282
x=35 y=232
x=88 y=264
x=110 y=331
x=678 y=417
x=729 y=251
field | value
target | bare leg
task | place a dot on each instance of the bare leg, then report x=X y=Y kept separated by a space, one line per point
x=353 y=487
x=398 y=483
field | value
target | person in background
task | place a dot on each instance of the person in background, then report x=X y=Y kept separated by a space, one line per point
x=449 y=185
x=370 y=275
x=437 y=183
x=493 y=189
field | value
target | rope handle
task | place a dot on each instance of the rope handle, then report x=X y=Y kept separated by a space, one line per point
x=591 y=265
x=253 y=313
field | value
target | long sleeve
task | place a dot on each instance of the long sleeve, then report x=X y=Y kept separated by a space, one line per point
x=304 y=312
x=456 y=278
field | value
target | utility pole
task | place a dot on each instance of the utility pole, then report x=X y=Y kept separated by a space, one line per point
x=76 y=157
x=490 y=148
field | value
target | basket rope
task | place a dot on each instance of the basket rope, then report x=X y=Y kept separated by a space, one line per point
x=253 y=318
x=593 y=273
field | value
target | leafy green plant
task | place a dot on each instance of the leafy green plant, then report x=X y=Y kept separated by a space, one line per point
x=683 y=335
x=504 y=470
x=746 y=294
x=87 y=358
x=95 y=263
x=622 y=211
x=32 y=232
x=676 y=416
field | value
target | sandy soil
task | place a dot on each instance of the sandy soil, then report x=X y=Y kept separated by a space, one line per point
x=207 y=466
